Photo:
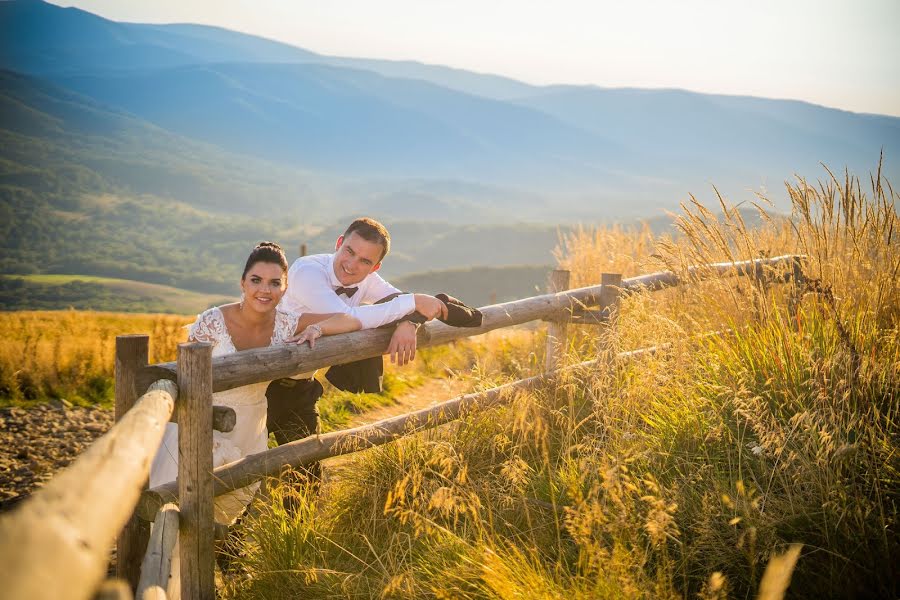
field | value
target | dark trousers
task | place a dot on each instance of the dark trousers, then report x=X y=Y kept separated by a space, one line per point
x=292 y=413
x=364 y=375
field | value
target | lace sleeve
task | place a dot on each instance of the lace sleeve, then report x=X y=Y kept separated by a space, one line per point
x=286 y=326
x=209 y=327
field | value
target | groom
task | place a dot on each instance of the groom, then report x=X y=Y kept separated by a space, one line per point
x=347 y=282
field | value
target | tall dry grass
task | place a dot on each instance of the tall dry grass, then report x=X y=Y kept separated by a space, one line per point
x=71 y=354
x=730 y=466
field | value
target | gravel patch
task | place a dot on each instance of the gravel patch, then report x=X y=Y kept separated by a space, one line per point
x=38 y=441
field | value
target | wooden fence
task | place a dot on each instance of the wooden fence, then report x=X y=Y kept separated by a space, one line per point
x=56 y=544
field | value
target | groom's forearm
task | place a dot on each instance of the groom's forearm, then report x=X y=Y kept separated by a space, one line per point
x=414 y=318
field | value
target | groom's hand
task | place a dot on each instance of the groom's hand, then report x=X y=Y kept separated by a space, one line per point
x=403 y=343
x=430 y=307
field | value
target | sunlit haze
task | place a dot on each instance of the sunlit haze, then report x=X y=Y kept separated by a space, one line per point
x=830 y=52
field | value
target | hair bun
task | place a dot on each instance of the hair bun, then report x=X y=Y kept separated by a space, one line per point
x=273 y=245
x=268 y=252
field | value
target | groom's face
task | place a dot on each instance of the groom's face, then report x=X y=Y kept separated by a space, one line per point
x=354 y=258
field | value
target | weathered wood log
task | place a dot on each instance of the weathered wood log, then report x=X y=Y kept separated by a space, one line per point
x=610 y=293
x=264 y=364
x=557 y=329
x=223 y=418
x=797 y=276
x=131 y=356
x=195 y=486
x=610 y=303
x=157 y=565
x=798 y=286
x=664 y=279
x=56 y=543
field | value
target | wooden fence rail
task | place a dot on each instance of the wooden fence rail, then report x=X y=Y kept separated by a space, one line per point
x=54 y=545
x=157 y=564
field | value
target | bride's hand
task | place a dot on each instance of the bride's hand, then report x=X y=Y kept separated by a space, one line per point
x=310 y=334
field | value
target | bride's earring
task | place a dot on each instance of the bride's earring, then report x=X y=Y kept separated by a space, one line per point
x=242 y=301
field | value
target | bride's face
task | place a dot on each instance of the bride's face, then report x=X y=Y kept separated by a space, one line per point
x=263 y=286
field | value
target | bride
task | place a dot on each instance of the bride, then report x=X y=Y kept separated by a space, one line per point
x=254 y=322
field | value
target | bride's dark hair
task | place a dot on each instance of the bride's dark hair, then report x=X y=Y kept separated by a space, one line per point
x=268 y=252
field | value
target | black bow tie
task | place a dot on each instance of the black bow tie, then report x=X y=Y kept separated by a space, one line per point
x=349 y=291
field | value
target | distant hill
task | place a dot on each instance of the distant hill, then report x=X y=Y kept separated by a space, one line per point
x=348 y=121
x=88 y=190
x=477 y=286
x=55 y=130
x=757 y=140
x=61 y=292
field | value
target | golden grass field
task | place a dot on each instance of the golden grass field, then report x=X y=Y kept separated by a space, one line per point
x=71 y=354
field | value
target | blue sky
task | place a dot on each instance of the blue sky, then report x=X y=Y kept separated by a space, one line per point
x=837 y=53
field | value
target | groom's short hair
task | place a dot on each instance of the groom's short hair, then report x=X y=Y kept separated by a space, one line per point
x=372 y=231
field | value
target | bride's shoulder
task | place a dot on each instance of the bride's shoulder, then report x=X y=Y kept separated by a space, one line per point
x=214 y=314
x=209 y=325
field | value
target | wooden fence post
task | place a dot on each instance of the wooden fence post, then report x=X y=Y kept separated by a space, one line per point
x=798 y=286
x=132 y=353
x=797 y=271
x=557 y=328
x=157 y=566
x=195 y=483
x=610 y=301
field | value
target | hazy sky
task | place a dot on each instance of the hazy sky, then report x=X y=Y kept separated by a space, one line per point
x=839 y=53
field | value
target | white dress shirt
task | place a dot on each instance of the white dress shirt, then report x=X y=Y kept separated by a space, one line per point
x=311 y=285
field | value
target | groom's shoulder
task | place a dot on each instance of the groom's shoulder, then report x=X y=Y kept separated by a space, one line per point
x=314 y=258
x=311 y=261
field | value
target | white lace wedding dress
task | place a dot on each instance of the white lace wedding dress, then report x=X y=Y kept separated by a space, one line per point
x=249 y=435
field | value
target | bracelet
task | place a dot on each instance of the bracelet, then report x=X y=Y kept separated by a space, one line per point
x=317 y=327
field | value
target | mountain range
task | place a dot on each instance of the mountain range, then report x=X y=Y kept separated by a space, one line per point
x=111 y=132
x=376 y=118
